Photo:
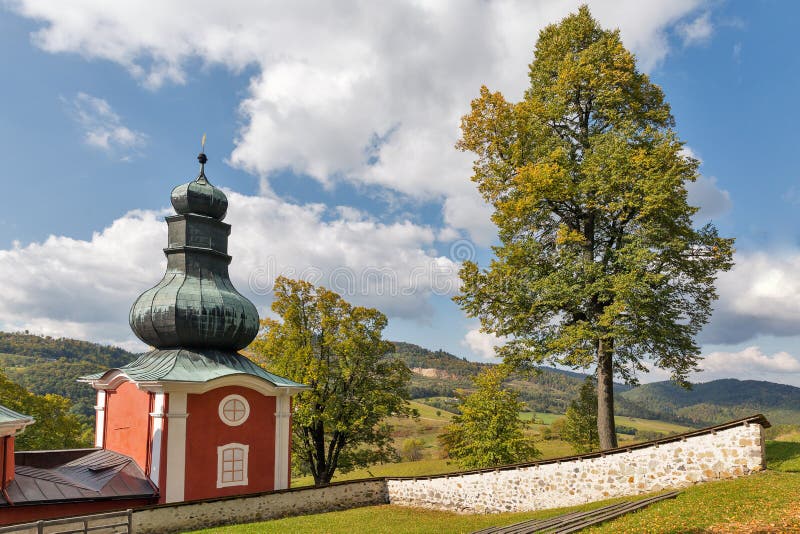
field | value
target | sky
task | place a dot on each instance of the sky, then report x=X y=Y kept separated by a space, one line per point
x=331 y=127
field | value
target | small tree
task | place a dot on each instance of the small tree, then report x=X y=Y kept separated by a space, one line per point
x=411 y=449
x=554 y=430
x=580 y=424
x=488 y=431
x=337 y=350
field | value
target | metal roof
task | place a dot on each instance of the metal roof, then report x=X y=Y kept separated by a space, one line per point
x=192 y=365
x=7 y=415
x=195 y=305
x=75 y=475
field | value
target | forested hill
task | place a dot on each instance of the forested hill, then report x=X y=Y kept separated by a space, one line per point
x=421 y=358
x=44 y=364
x=720 y=400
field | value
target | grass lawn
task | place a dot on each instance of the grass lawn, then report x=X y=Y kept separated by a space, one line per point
x=784 y=456
x=390 y=520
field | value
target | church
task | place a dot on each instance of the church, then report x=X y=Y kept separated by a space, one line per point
x=190 y=419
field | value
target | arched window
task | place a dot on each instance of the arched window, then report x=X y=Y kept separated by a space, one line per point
x=232 y=465
x=234 y=410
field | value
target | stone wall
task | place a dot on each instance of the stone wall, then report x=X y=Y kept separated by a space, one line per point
x=671 y=463
x=259 y=507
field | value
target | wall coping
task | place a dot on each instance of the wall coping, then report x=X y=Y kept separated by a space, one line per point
x=753 y=419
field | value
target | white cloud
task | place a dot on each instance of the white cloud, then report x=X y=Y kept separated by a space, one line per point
x=482 y=343
x=704 y=193
x=369 y=93
x=697 y=31
x=84 y=288
x=102 y=127
x=759 y=296
x=712 y=200
x=751 y=363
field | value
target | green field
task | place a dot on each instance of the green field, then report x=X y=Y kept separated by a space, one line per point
x=764 y=502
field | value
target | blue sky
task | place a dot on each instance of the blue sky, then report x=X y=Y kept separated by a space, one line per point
x=332 y=130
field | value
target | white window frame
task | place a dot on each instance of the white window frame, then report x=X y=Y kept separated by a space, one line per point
x=221 y=464
x=221 y=410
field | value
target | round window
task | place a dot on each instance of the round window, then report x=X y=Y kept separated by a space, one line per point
x=234 y=410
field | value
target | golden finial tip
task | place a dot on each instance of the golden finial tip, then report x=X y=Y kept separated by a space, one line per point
x=203 y=143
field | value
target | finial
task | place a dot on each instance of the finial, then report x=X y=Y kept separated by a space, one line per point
x=202 y=159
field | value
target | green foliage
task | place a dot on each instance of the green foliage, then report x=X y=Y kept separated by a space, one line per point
x=599 y=263
x=411 y=449
x=336 y=349
x=489 y=431
x=43 y=364
x=628 y=430
x=55 y=427
x=580 y=423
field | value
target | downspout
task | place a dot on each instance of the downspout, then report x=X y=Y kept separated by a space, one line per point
x=5 y=465
x=5 y=462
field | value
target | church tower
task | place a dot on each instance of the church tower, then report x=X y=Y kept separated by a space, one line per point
x=201 y=419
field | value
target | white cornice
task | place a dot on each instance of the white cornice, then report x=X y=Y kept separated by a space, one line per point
x=116 y=377
x=11 y=428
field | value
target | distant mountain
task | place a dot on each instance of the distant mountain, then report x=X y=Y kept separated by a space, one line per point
x=439 y=374
x=44 y=364
x=720 y=400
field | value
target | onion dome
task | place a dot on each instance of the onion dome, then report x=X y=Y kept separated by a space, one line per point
x=200 y=196
x=195 y=305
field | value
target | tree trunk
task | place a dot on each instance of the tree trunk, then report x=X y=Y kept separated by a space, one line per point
x=320 y=468
x=606 y=428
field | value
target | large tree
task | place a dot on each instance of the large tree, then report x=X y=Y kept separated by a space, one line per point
x=488 y=431
x=599 y=263
x=336 y=349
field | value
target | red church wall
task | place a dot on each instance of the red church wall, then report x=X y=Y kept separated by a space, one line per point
x=127 y=422
x=205 y=432
x=7 y=460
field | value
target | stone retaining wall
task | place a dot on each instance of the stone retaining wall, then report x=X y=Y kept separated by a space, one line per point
x=726 y=453
x=201 y=514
